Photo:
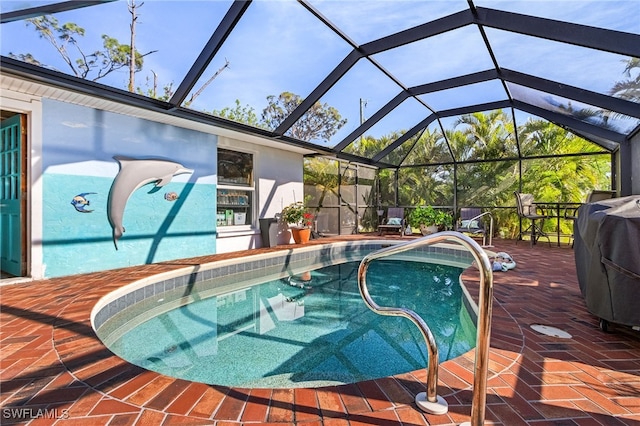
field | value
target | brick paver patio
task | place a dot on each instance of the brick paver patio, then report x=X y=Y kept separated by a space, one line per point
x=54 y=370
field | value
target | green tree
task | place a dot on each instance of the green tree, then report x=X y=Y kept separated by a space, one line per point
x=368 y=146
x=322 y=177
x=241 y=114
x=426 y=185
x=429 y=148
x=629 y=89
x=150 y=89
x=87 y=65
x=484 y=136
x=555 y=177
x=320 y=122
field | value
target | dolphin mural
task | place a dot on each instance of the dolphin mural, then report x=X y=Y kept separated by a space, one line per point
x=135 y=173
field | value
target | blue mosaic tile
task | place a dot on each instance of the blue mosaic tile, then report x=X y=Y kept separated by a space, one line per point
x=129 y=299
x=121 y=303
x=158 y=288
x=182 y=281
x=112 y=308
x=139 y=295
x=100 y=318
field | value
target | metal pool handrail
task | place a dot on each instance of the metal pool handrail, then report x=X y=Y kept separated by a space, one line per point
x=429 y=401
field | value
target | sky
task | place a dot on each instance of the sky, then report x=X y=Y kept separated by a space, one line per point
x=280 y=46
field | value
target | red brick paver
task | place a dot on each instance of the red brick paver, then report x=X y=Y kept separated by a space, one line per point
x=54 y=370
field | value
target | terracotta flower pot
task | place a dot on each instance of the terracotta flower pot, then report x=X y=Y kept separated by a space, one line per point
x=301 y=235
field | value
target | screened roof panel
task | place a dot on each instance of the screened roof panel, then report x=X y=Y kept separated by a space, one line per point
x=401 y=119
x=431 y=147
x=390 y=127
x=485 y=136
x=488 y=91
x=25 y=40
x=611 y=14
x=531 y=128
x=390 y=68
x=566 y=63
x=581 y=111
x=190 y=26
x=432 y=59
x=268 y=55
x=397 y=155
x=163 y=45
x=363 y=90
x=364 y=21
x=552 y=140
x=12 y=6
x=599 y=141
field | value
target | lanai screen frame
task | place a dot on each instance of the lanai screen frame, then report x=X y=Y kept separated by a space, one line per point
x=622 y=43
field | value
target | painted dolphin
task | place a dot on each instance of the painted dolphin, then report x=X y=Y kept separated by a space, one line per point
x=135 y=173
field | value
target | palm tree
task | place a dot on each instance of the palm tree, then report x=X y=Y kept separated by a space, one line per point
x=629 y=89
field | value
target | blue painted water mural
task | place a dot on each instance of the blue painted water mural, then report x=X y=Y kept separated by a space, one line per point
x=156 y=229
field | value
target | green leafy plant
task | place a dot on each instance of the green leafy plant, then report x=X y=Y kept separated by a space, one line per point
x=296 y=214
x=429 y=216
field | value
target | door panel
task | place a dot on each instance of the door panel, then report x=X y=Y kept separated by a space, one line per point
x=11 y=195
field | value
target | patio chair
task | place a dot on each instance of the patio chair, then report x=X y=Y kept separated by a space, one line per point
x=394 y=221
x=527 y=209
x=571 y=213
x=472 y=222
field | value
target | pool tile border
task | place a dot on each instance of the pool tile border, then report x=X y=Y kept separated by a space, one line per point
x=173 y=289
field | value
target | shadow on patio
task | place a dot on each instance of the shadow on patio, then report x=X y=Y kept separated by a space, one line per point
x=52 y=361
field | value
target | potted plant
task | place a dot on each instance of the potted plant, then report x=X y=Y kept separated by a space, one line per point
x=430 y=220
x=299 y=220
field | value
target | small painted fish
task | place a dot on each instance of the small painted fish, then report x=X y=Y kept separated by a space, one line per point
x=80 y=202
x=171 y=196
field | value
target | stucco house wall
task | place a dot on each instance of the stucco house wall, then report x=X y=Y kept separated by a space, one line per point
x=71 y=154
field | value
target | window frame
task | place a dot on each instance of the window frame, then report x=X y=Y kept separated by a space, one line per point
x=249 y=188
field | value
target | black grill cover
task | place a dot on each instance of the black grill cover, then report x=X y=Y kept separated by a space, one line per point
x=607 y=253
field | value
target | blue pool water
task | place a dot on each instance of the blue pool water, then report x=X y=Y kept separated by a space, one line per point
x=299 y=333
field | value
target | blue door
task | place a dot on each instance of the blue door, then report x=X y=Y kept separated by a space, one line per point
x=12 y=200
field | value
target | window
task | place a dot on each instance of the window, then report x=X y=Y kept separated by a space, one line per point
x=235 y=193
x=235 y=168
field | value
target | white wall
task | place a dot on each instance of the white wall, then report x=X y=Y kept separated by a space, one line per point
x=278 y=176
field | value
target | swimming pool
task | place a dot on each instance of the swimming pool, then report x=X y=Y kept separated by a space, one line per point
x=294 y=333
